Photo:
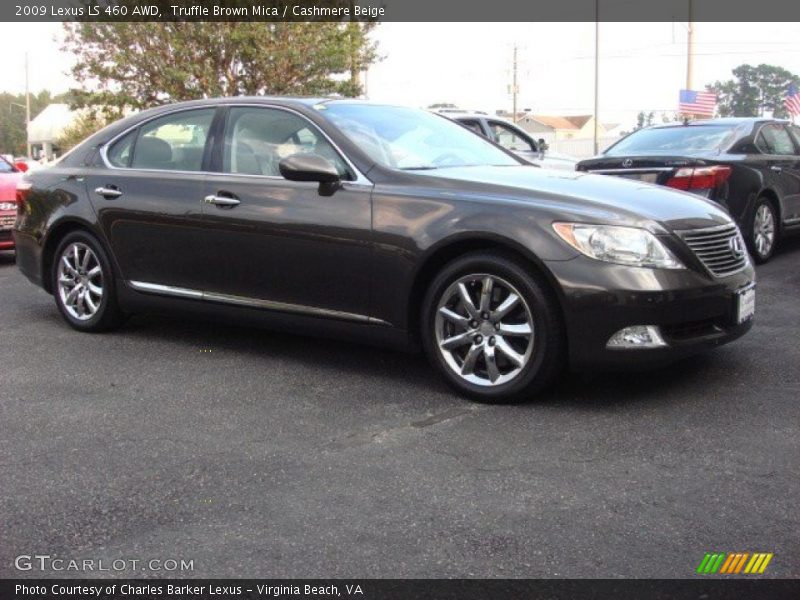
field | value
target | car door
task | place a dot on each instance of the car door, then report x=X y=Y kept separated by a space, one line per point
x=791 y=214
x=781 y=158
x=514 y=139
x=283 y=244
x=148 y=198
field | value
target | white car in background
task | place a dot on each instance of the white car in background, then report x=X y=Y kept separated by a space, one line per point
x=513 y=138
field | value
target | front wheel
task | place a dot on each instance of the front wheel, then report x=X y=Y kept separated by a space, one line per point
x=763 y=230
x=83 y=284
x=492 y=329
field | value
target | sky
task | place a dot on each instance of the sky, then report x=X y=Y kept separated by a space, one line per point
x=642 y=65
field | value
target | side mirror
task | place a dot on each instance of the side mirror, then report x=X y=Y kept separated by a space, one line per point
x=542 y=147
x=308 y=167
x=21 y=166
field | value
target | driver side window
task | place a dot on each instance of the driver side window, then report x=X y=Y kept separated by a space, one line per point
x=509 y=138
x=257 y=139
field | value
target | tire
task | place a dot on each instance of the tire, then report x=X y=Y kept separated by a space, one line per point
x=492 y=359
x=94 y=307
x=762 y=230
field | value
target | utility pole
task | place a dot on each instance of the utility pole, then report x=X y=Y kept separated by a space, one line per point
x=689 y=48
x=27 y=108
x=596 y=71
x=514 y=87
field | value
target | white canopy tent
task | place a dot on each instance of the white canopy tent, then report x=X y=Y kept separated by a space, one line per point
x=48 y=125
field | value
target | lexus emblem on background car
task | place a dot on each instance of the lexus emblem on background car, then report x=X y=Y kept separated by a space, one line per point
x=627 y=163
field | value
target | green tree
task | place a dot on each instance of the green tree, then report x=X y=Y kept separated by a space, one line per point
x=136 y=65
x=85 y=124
x=13 y=137
x=754 y=90
x=644 y=119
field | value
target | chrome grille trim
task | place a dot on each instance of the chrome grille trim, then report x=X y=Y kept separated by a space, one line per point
x=712 y=246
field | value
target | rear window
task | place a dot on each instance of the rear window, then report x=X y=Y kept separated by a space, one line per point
x=668 y=140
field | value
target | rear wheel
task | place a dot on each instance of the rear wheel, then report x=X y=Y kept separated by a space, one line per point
x=492 y=329
x=83 y=284
x=763 y=230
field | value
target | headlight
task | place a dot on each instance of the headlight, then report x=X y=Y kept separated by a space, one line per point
x=623 y=245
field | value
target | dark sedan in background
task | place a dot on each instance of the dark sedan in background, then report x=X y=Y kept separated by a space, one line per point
x=750 y=166
x=354 y=220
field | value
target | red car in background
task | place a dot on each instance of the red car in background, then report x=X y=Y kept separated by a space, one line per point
x=9 y=176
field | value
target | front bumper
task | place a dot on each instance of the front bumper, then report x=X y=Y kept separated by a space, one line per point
x=693 y=311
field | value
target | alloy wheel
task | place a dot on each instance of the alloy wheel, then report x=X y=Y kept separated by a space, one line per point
x=764 y=229
x=80 y=281
x=484 y=329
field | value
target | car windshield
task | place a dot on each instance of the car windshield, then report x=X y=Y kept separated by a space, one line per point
x=667 y=140
x=5 y=166
x=411 y=139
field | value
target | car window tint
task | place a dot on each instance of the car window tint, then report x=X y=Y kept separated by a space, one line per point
x=257 y=139
x=474 y=125
x=508 y=138
x=795 y=132
x=120 y=152
x=774 y=139
x=173 y=143
x=675 y=139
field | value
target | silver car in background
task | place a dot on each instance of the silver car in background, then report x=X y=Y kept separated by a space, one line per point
x=514 y=138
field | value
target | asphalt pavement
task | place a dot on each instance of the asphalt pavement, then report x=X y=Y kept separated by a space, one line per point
x=255 y=454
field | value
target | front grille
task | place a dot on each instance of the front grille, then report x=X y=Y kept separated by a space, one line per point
x=5 y=236
x=721 y=249
x=7 y=222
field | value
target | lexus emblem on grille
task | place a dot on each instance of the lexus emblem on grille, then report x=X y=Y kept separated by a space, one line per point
x=736 y=246
x=627 y=163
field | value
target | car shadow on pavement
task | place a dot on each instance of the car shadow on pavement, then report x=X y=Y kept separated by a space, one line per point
x=7 y=258
x=595 y=391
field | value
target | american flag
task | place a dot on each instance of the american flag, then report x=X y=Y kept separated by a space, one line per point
x=792 y=100
x=697 y=103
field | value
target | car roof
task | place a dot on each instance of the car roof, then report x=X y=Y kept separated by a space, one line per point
x=470 y=115
x=730 y=121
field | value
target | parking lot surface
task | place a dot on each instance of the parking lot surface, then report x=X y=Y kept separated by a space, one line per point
x=255 y=454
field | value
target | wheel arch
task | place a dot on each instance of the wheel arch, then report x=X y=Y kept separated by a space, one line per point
x=54 y=236
x=451 y=248
x=774 y=198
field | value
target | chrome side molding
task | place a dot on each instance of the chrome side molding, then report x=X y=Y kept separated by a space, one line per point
x=168 y=290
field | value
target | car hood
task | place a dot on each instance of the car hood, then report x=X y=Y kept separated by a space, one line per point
x=598 y=198
x=8 y=185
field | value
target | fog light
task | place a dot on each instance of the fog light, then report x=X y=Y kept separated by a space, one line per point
x=637 y=336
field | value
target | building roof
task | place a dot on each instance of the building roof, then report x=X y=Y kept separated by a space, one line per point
x=562 y=122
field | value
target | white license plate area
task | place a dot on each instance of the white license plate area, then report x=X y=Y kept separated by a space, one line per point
x=646 y=177
x=745 y=304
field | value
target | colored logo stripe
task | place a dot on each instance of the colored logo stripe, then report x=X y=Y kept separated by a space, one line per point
x=731 y=563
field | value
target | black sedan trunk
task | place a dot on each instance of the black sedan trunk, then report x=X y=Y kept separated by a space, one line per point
x=650 y=169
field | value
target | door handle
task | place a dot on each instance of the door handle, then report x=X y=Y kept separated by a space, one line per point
x=222 y=201
x=777 y=169
x=108 y=191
